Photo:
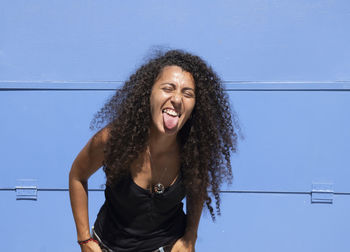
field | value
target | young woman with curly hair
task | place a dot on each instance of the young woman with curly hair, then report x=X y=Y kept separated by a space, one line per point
x=168 y=135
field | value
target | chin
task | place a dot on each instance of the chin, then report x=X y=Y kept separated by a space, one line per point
x=170 y=132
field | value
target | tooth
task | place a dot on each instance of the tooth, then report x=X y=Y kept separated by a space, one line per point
x=171 y=112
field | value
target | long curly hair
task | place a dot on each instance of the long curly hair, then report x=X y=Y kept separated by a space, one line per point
x=206 y=140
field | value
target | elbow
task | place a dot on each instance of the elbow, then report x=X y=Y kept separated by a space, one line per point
x=75 y=175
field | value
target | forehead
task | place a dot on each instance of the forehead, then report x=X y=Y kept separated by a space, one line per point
x=175 y=75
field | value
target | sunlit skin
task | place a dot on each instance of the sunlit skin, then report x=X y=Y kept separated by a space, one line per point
x=174 y=89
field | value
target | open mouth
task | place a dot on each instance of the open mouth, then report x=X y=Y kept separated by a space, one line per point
x=171 y=112
x=170 y=119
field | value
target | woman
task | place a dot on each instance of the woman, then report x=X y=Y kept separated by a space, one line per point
x=168 y=135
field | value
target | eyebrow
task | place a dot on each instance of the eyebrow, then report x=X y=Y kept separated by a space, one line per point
x=174 y=86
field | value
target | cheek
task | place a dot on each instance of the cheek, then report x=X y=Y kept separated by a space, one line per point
x=152 y=103
x=190 y=107
x=154 y=106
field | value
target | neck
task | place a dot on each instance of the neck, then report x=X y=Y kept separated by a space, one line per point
x=160 y=143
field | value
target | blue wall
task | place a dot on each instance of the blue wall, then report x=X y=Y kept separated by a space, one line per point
x=286 y=67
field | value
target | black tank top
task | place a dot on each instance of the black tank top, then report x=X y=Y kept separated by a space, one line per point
x=134 y=219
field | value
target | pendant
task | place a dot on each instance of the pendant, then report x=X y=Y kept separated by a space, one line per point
x=158 y=188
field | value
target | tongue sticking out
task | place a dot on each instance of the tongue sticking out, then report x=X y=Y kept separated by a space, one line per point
x=170 y=122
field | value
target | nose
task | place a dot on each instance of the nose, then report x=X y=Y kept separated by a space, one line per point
x=176 y=100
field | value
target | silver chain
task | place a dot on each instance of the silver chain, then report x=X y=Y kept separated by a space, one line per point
x=159 y=187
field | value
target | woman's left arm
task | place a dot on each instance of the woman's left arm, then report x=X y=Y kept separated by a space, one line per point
x=194 y=207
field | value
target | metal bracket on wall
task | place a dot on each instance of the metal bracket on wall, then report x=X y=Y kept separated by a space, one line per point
x=322 y=193
x=26 y=193
x=27 y=190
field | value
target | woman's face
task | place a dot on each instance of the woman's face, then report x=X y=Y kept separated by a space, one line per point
x=172 y=99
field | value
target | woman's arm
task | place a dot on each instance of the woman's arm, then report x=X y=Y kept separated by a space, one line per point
x=194 y=207
x=87 y=162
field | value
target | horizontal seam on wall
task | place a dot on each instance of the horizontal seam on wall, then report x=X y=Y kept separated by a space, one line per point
x=224 y=81
x=230 y=89
x=228 y=86
x=222 y=191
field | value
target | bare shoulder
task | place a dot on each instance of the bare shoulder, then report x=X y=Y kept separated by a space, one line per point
x=101 y=137
x=91 y=157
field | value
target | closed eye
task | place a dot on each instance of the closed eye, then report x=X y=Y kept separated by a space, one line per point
x=167 y=89
x=189 y=94
x=168 y=86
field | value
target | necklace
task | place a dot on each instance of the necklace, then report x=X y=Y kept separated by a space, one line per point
x=158 y=188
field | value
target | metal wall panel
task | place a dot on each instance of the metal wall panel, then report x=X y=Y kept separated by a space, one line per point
x=43 y=225
x=293 y=138
x=285 y=65
x=298 y=137
x=43 y=132
x=262 y=40
x=277 y=222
